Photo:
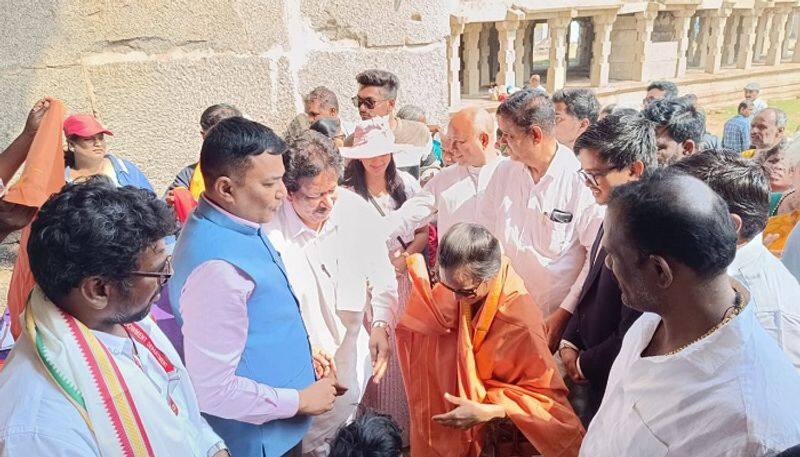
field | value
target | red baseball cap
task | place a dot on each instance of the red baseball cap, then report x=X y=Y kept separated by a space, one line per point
x=84 y=125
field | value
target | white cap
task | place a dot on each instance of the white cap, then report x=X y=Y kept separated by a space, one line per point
x=753 y=86
x=371 y=138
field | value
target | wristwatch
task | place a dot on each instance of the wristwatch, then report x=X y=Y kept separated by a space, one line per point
x=381 y=324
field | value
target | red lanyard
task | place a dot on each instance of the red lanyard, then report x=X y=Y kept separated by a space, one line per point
x=138 y=334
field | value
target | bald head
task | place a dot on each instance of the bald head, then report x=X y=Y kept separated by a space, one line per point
x=471 y=135
x=677 y=217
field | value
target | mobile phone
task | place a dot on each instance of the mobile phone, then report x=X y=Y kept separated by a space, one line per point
x=562 y=217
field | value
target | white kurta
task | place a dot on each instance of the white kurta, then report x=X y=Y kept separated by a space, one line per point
x=339 y=275
x=551 y=257
x=452 y=196
x=733 y=393
x=775 y=294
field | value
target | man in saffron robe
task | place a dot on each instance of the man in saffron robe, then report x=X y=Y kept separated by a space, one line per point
x=473 y=350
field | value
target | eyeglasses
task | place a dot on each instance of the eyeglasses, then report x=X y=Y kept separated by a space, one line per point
x=163 y=276
x=591 y=176
x=466 y=293
x=368 y=102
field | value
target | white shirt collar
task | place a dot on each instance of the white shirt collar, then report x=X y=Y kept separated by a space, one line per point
x=115 y=344
x=747 y=254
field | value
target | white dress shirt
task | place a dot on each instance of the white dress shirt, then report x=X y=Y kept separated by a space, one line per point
x=339 y=275
x=37 y=419
x=733 y=393
x=451 y=196
x=775 y=294
x=551 y=257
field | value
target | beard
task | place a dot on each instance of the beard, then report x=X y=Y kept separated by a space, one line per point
x=130 y=313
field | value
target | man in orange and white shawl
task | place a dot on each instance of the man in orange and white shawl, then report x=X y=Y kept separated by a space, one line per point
x=92 y=375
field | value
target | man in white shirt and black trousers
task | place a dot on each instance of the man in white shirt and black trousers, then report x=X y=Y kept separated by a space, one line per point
x=539 y=208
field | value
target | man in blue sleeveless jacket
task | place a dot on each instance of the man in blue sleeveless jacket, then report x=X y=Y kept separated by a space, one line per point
x=246 y=347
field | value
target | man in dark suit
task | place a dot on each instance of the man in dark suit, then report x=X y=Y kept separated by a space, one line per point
x=612 y=152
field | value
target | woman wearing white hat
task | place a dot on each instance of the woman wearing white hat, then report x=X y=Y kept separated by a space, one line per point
x=372 y=174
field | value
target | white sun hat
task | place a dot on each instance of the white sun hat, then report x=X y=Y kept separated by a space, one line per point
x=371 y=138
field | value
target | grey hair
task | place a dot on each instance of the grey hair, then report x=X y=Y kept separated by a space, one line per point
x=780 y=116
x=471 y=246
x=411 y=113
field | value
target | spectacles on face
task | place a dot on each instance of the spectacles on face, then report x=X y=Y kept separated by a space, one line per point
x=465 y=293
x=368 y=102
x=591 y=176
x=163 y=275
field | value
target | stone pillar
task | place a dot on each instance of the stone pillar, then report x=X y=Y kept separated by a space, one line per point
x=454 y=61
x=692 y=42
x=731 y=34
x=787 y=33
x=601 y=49
x=796 y=53
x=585 y=49
x=527 y=53
x=703 y=39
x=507 y=34
x=519 y=53
x=483 y=54
x=557 y=69
x=718 y=19
x=777 y=35
x=472 y=77
x=681 y=34
x=645 y=21
x=761 y=34
x=747 y=38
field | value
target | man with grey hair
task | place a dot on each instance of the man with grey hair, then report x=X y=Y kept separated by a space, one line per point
x=474 y=358
x=377 y=97
x=751 y=93
x=337 y=263
x=454 y=194
x=766 y=131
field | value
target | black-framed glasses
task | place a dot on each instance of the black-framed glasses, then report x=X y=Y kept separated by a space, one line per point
x=368 y=102
x=163 y=275
x=591 y=176
x=466 y=293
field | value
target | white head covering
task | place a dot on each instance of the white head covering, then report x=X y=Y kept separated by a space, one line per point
x=371 y=138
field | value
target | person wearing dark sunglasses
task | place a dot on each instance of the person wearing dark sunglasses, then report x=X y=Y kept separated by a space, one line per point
x=377 y=97
x=480 y=326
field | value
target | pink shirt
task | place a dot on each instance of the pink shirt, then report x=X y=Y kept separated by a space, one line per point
x=213 y=304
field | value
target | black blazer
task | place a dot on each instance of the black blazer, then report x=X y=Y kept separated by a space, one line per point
x=599 y=323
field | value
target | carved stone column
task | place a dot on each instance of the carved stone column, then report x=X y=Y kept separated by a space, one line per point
x=507 y=34
x=519 y=53
x=731 y=35
x=472 y=77
x=747 y=39
x=557 y=70
x=645 y=21
x=601 y=50
x=484 y=53
x=681 y=34
x=454 y=61
x=777 y=35
x=718 y=19
x=702 y=40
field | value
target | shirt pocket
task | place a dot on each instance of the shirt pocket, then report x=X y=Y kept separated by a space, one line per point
x=636 y=438
x=551 y=237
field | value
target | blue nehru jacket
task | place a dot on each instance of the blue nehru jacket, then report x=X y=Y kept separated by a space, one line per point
x=277 y=352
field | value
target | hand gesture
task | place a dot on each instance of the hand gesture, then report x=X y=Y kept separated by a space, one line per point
x=36 y=114
x=324 y=365
x=379 y=350
x=569 y=357
x=468 y=413
x=317 y=398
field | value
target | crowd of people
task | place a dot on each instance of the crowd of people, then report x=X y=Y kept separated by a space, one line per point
x=556 y=278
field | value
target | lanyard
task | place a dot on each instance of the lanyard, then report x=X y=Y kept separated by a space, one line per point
x=138 y=334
